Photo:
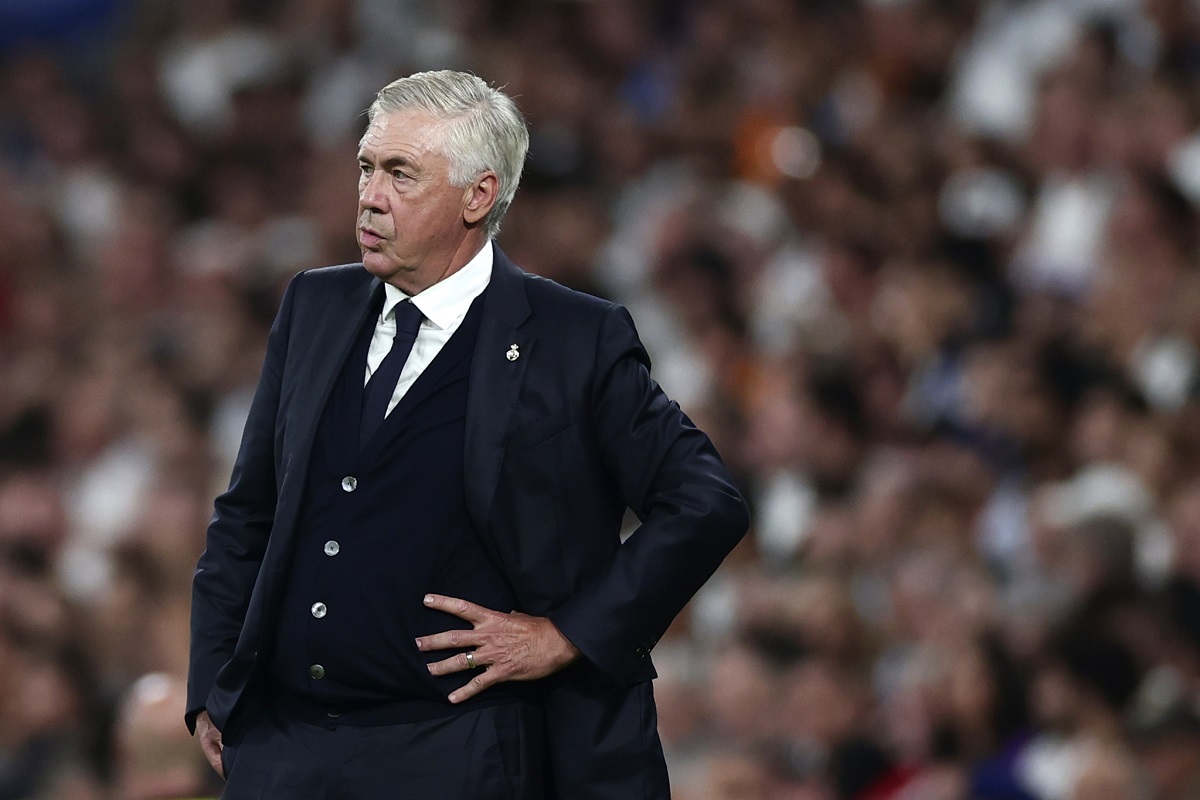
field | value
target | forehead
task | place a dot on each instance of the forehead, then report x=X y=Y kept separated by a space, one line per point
x=411 y=133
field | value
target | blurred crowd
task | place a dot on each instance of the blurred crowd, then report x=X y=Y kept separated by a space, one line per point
x=925 y=269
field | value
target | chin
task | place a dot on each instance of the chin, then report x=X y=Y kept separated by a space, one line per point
x=387 y=270
x=378 y=264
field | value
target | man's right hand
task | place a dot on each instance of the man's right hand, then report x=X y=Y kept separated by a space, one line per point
x=210 y=741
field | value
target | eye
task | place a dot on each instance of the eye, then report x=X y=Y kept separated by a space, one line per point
x=398 y=175
x=364 y=169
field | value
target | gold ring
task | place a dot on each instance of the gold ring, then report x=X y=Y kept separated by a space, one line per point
x=471 y=660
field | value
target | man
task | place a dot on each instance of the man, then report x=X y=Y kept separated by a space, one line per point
x=438 y=438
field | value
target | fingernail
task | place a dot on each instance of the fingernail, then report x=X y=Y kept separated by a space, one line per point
x=453 y=698
x=428 y=599
x=419 y=644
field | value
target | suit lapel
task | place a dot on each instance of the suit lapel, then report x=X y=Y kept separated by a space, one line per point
x=335 y=330
x=341 y=317
x=495 y=383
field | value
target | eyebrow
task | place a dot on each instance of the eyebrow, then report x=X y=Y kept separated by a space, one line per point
x=390 y=161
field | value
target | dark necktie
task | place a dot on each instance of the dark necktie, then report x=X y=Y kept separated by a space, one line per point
x=382 y=385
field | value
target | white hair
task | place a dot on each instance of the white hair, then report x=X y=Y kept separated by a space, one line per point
x=485 y=129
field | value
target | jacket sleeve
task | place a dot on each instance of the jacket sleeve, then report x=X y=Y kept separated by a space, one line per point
x=240 y=527
x=668 y=472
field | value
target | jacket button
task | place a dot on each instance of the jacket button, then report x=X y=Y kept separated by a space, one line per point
x=332 y=547
x=349 y=483
x=319 y=610
x=316 y=672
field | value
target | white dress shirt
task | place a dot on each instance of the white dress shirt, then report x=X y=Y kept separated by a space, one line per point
x=445 y=305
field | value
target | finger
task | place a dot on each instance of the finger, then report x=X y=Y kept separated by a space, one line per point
x=476 y=685
x=460 y=608
x=212 y=752
x=453 y=664
x=449 y=640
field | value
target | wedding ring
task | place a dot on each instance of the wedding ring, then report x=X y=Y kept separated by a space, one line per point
x=471 y=660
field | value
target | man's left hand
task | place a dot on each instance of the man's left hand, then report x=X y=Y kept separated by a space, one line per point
x=508 y=647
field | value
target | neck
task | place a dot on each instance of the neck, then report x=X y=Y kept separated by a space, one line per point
x=468 y=247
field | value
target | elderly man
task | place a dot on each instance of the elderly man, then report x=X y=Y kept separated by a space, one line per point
x=415 y=585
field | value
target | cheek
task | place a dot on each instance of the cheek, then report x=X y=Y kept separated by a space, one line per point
x=419 y=214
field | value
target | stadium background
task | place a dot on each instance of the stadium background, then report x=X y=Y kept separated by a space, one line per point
x=926 y=270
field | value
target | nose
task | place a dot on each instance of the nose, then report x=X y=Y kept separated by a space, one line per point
x=371 y=196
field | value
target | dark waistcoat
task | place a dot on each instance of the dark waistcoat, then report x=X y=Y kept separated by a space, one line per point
x=380 y=528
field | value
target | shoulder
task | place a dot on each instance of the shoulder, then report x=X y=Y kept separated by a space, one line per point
x=347 y=275
x=576 y=319
x=513 y=285
x=544 y=293
x=571 y=316
x=579 y=317
x=317 y=287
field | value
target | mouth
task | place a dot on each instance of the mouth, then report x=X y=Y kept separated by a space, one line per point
x=368 y=238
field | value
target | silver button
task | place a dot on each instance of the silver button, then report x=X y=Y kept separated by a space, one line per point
x=332 y=548
x=316 y=672
x=349 y=483
x=319 y=610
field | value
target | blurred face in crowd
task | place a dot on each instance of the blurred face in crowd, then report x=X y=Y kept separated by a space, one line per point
x=1171 y=763
x=414 y=227
x=735 y=777
x=740 y=693
x=1107 y=775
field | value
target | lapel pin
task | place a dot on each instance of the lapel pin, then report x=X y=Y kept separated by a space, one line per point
x=513 y=352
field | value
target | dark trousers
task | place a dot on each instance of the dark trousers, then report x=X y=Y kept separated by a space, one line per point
x=493 y=753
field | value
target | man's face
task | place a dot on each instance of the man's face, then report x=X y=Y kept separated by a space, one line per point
x=412 y=224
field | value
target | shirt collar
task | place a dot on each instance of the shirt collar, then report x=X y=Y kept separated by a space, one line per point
x=447 y=301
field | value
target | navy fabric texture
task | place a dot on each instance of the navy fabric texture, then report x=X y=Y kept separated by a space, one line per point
x=397 y=514
x=482 y=754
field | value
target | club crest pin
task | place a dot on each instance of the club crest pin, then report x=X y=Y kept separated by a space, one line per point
x=513 y=353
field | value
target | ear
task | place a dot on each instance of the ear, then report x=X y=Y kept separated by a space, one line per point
x=481 y=196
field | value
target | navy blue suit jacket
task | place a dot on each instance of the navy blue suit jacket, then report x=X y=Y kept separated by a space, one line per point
x=559 y=443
